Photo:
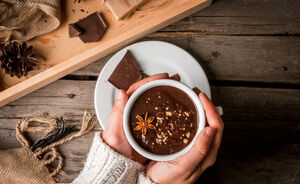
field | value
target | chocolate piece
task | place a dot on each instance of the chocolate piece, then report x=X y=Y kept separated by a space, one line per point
x=93 y=28
x=175 y=77
x=126 y=73
x=175 y=120
x=73 y=30
x=197 y=90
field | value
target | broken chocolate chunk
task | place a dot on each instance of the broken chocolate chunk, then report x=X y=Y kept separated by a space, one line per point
x=126 y=73
x=93 y=28
x=175 y=77
x=73 y=30
x=197 y=90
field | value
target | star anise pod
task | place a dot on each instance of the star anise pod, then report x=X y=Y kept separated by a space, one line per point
x=17 y=59
x=144 y=124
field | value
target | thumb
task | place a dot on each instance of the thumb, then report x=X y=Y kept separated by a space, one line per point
x=199 y=150
x=116 y=115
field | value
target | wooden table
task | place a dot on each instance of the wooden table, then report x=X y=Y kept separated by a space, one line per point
x=250 y=50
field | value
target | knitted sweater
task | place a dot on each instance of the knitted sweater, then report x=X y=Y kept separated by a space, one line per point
x=105 y=166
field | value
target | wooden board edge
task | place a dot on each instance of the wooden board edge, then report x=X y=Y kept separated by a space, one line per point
x=60 y=70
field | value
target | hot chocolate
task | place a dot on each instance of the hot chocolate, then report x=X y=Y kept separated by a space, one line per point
x=163 y=120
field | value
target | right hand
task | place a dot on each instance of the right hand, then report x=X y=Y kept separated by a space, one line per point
x=203 y=154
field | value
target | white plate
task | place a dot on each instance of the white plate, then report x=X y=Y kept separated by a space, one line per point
x=152 y=57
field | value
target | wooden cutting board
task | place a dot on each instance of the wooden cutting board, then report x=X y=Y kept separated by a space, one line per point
x=64 y=55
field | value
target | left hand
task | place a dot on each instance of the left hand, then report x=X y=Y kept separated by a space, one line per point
x=113 y=134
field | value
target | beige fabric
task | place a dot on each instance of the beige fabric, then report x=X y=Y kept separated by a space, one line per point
x=23 y=166
x=24 y=21
x=20 y=166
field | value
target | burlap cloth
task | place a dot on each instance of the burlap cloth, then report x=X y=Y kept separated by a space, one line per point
x=23 y=20
x=24 y=166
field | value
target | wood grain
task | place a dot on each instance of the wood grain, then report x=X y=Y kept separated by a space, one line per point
x=237 y=25
x=266 y=8
x=234 y=58
x=70 y=98
x=236 y=17
x=255 y=164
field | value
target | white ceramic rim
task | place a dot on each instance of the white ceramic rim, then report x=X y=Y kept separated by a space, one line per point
x=133 y=98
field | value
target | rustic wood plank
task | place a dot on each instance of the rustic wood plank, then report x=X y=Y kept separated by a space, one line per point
x=255 y=164
x=266 y=8
x=251 y=104
x=233 y=58
x=70 y=98
x=240 y=25
x=244 y=17
x=261 y=163
x=266 y=132
x=61 y=97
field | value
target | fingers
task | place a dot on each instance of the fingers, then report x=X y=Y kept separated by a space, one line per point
x=213 y=118
x=116 y=115
x=138 y=84
x=197 y=153
x=114 y=135
x=214 y=121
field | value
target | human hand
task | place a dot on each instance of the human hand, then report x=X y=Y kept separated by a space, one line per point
x=113 y=134
x=188 y=167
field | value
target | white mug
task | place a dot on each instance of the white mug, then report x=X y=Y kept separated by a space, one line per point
x=141 y=90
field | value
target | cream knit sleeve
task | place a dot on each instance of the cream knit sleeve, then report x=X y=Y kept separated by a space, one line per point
x=105 y=166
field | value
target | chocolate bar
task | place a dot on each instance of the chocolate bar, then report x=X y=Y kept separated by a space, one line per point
x=126 y=73
x=89 y=29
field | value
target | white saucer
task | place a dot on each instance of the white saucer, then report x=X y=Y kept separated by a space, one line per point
x=152 y=57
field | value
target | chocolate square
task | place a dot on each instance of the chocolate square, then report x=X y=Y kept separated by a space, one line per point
x=93 y=28
x=126 y=73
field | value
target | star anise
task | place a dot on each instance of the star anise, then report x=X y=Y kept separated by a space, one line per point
x=144 y=124
x=17 y=59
